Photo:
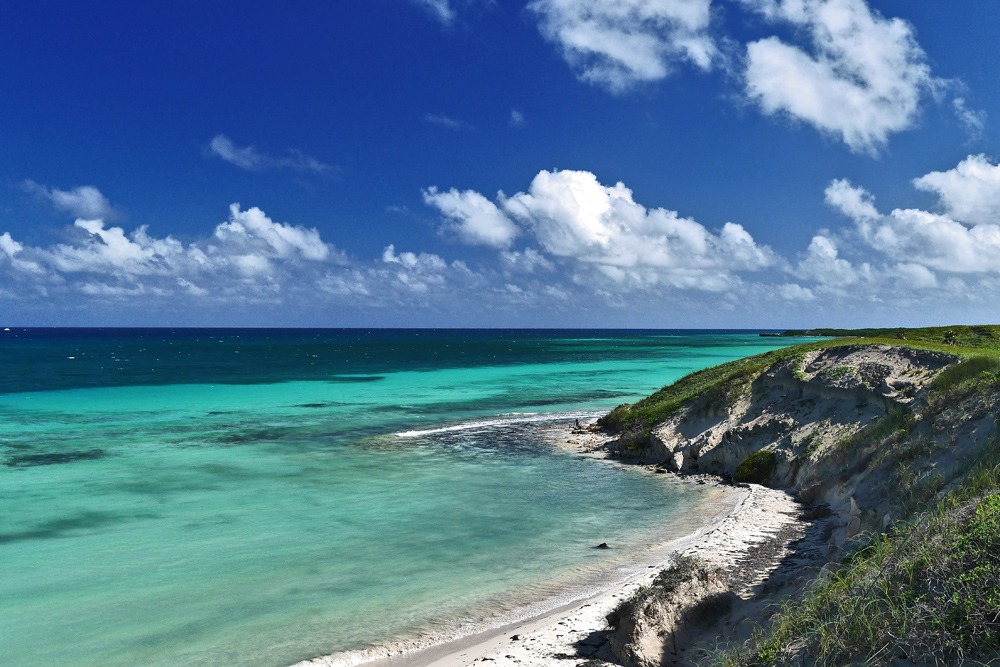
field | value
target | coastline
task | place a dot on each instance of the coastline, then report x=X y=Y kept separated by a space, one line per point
x=748 y=538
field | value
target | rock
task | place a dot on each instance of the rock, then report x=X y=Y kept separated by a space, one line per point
x=854 y=522
x=602 y=545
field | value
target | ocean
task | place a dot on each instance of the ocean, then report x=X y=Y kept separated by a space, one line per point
x=260 y=497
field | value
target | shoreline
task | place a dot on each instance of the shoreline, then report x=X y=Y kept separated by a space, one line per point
x=748 y=538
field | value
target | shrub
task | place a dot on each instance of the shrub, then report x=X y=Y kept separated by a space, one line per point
x=757 y=468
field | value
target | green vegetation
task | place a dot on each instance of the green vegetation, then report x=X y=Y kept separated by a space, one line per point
x=984 y=337
x=757 y=468
x=895 y=422
x=728 y=381
x=954 y=384
x=928 y=592
x=837 y=372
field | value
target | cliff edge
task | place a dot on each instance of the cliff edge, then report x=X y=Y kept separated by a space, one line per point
x=869 y=436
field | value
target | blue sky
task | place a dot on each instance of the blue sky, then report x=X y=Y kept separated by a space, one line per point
x=577 y=163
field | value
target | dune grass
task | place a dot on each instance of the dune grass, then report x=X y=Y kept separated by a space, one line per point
x=928 y=592
x=729 y=380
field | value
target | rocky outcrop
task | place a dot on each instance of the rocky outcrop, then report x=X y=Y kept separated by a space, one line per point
x=805 y=410
x=851 y=432
x=659 y=620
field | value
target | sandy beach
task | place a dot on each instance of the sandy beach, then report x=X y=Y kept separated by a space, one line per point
x=749 y=538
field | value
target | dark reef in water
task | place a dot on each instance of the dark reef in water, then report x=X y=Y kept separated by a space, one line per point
x=54 y=458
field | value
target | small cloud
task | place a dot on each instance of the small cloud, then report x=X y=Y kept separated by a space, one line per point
x=245 y=157
x=794 y=292
x=85 y=201
x=441 y=10
x=618 y=45
x=299 y=161
x=970 y=192
x=474 y=218
x=516 y=119
x=447 y=122
x=249 y=158
x=974 y=121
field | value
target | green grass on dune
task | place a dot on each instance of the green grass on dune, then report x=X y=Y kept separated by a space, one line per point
x=727 y=381
x=979 y=336
x=928 y=593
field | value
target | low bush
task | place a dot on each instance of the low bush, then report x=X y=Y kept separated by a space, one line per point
x=757 y=468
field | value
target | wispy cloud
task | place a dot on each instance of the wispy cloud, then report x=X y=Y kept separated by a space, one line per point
x=441 y=10
x=251 y=159
x=447 y=122
x=517 y=119
x=973 y=120
x=84 y=201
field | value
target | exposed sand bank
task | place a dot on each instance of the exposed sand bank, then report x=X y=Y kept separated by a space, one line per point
x=749 y=537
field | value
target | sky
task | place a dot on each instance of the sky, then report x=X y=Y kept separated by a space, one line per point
x=499 y=163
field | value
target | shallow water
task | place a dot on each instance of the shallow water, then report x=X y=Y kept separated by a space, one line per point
x=261 y=497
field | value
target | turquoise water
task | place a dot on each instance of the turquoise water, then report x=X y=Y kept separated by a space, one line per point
x=262 y=497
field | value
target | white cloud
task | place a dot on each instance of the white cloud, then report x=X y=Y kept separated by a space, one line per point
x=427 y=262
x=104 y=250
x=575 y=217
x=474 y=218
x=249 y=251
x=528 y=261
x=9 y=246
x=516 y=119
x=973 y=120
x=913 y=236
x=244 y=157
x=970 y=192
x=253 y=230
x=853 y=202
x=85 y=201
x=447 y=122
x=862 y=81
x=191 y=288
x=916 y=276
x=822 y=263
x=416 y=272
x=793 y=292
x=617 y=45
x=251 y=159
x=439 y=9
x=11 y=250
